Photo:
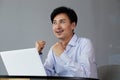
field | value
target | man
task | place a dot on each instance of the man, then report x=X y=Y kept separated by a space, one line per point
x=71 y=56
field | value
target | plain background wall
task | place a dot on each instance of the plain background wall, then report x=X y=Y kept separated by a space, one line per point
x=107 y=31
x=22 y=22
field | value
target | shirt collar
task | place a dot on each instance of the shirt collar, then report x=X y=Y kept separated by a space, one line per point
x=73 y=40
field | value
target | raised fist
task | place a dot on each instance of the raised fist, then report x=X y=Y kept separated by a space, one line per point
x=40 y=45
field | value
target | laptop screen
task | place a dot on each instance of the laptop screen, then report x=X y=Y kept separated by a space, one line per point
x=23 y=62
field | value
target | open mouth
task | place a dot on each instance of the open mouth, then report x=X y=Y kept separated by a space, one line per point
x=59 y=31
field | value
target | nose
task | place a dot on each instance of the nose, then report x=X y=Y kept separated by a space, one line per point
x=58 y=25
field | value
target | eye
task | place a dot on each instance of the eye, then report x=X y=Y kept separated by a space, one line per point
x=62 y=21
x=54 y=22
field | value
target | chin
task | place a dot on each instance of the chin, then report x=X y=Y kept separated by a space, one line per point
x=59 y=37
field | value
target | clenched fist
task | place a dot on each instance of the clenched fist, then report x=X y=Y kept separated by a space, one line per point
x=40 y=45
x=58 y=48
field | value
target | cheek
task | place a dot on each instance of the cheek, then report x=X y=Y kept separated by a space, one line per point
x=69 y=30
x=53 y=29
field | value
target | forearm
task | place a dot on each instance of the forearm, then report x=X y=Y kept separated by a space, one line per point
x=49 y=63
x=75 y=68
x=86 y=68
x=41 y=56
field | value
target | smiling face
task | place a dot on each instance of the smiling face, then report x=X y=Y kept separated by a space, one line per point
x=62 y=26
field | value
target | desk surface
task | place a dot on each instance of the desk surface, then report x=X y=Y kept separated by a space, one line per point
x=43 y=77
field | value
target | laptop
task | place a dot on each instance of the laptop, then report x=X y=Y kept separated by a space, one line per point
x=23 y=62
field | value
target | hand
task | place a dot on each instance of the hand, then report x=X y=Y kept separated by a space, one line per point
x=40 y=45
x=58 y=48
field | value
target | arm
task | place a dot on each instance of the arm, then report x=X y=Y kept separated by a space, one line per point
x=39 y=46
x=49 y=64
x=85 y=66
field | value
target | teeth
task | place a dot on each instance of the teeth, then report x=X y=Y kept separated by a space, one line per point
x=60 y=31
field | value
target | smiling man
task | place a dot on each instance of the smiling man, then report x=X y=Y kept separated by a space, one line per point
x=71 y=56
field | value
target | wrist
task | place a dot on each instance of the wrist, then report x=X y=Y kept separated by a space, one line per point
x=40 y=53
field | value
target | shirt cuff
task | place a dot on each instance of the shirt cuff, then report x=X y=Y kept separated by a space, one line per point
x=65 y=59
x=40 y=53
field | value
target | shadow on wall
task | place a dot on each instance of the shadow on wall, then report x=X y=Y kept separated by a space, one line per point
x=109 y=72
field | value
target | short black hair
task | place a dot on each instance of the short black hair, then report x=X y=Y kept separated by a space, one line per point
x=68 y=11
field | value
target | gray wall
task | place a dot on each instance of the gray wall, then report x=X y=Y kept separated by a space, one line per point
x=107 y=31
x=22 y=22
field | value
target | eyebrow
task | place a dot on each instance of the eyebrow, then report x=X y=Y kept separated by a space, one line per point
x=60 y=19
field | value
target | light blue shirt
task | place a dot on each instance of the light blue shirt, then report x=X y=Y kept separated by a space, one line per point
x=77 y=60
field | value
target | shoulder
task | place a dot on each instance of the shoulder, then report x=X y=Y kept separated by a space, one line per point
x=83 y=41
x=86 y=46
x=79 y=40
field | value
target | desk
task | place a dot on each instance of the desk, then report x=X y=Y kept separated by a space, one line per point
x=43 y=78
x=14 y=79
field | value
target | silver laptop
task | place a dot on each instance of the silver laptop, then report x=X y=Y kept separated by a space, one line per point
x=24 y=62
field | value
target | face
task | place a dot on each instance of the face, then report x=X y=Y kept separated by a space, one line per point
x=62 y=27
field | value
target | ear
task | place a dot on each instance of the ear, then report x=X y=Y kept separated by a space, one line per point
x=73 y=25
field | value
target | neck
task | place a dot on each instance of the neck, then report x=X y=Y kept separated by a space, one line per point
x=66 y=41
